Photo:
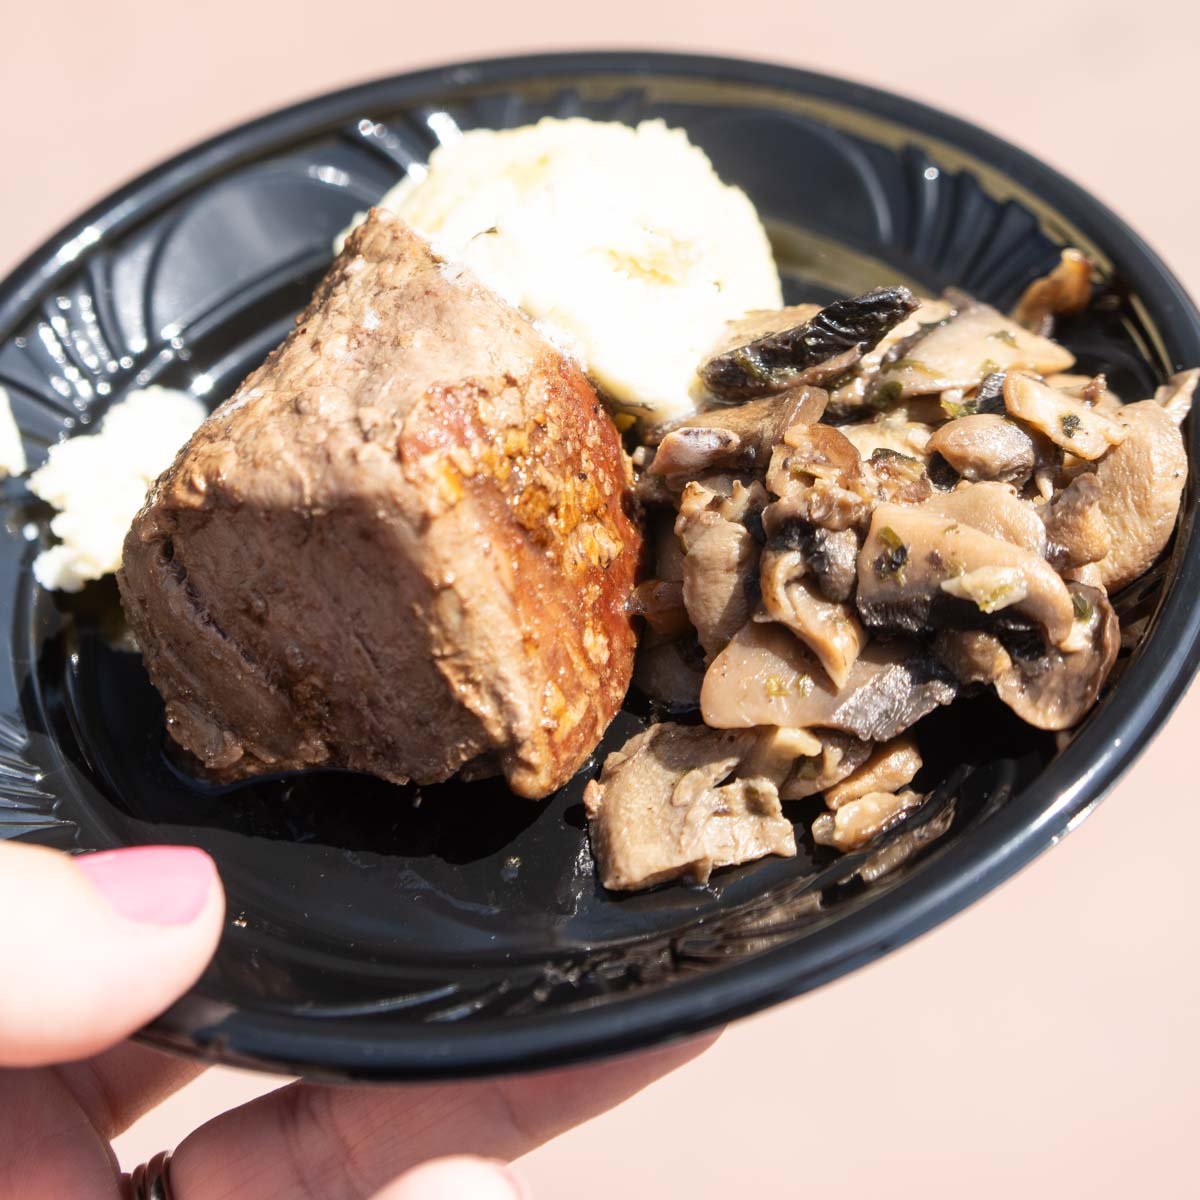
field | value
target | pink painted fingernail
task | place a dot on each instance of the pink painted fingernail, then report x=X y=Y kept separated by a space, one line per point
x=158 y=885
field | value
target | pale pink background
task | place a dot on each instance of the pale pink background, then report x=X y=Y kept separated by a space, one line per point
x=1045 y=1042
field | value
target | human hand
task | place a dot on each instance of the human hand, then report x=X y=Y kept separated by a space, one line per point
x=93 y=947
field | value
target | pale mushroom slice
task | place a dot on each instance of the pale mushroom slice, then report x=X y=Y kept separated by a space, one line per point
x=994 y=509
x=739 y=438
x=1093 y=390
x=1076 y=528
x=891 y=766
x=1066 y=289
x=839 y=755
x=858 y=821
x=820 y=475
x=1067 y=422
x=901 y=436
x=819 y=348
x=1177 y=393
x=720 y=565
x=962 y=351
x=830 y=630
x=670 y=804
x=910 y=553
x=1141 y=484
x=986 y=447
x=766 y=677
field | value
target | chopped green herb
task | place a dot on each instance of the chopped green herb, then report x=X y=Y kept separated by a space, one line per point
x=1070 y=423
x=959 y=408
x=890 y=538
x=776 y=686
x=989 y=366
x=887 y=394
x=1082 y=607
x=1005 y=336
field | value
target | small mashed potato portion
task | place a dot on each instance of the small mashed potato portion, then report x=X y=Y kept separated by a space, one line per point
x=622 y=244
x=99 y=480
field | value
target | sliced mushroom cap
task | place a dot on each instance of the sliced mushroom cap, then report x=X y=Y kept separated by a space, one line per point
x=1075 y=525
x=1091 y=389
x=986 y=447
x=830 y=630
x=1069 y=423
x=909 y=553
x=1141 y=483
x=1056 y=690
x=765 y=677
x=961 y=351
x=903 y=437
x=831 y=339
x=899 y=478
x=994 y=509
x=820 y=475
x=739 y=438
x=665 y=806
x=830 y=556
x=890 y=767
x=720 y=567
x=839 y=755
x=858 y=821
x=1067 y=289
x=1176 y=394
x=777 y=752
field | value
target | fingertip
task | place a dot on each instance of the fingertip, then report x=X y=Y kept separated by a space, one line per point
x=457 y=1179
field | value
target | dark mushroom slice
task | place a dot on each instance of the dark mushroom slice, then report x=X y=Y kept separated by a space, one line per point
x=720 y=566
x=766 y=677
x=849 y=397
x=994 y=509
x=1141 y=484
x=891 y=766
x=830 y=555
x=913 y=557
x=1067 y=289
x=737 y=438
x=1067 y=422
x=830 y=630
x=962 y=351
x=1177 y=393
x=670 y=804
x=669 y=671
x=1076 y=528
x=832 y=340
x=840 y=755
x=859 y=821
x=986 y=447
x=1048 y=688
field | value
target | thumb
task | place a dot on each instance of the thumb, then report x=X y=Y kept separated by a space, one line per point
x=459 y=1178
x=95 y=946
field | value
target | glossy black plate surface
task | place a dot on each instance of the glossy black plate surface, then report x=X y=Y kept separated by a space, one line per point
x=380 y=932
